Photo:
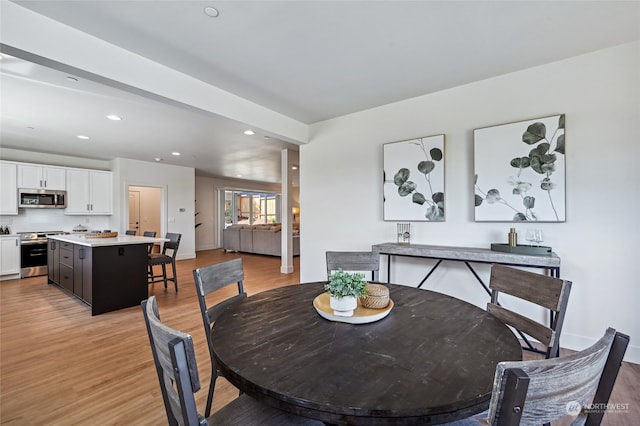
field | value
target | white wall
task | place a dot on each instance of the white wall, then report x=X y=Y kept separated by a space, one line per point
x=178 y=186
x=341 y=184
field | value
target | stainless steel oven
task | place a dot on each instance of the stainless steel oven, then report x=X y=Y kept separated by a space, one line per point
x=33 y=253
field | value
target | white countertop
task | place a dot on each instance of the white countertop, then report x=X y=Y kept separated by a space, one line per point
x=120 y=240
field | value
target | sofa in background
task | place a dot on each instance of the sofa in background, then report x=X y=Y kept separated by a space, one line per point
x=258 y=239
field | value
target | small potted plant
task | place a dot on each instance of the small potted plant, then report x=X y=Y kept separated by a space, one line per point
x=344 y=291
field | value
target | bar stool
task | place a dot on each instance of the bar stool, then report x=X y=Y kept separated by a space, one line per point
x=168 y=256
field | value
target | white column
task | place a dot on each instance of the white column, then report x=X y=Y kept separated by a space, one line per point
x=286 y=266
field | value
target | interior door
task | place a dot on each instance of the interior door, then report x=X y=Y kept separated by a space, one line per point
x=134 y=211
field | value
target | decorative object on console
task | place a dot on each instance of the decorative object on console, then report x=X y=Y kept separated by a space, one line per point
x=413 y=179
x=404 y=233
x=520 y=171
x=522 y=249
x=513 y=237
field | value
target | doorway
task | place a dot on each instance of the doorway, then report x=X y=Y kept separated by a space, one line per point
x=145 y=209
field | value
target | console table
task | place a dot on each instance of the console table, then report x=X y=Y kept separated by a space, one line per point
x=469 y=255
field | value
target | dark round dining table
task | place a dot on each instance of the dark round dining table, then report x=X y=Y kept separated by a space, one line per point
x=430 y=360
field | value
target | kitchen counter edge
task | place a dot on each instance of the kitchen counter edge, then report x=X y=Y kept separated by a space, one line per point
x=120 y=240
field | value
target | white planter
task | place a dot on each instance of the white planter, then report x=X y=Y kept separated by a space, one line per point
x=343 y=306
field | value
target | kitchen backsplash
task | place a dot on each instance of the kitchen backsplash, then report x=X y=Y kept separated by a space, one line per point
x=35 y=220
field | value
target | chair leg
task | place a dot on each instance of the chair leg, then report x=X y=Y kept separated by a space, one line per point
x=175 y=277
x=164 y=275
x=212 y=385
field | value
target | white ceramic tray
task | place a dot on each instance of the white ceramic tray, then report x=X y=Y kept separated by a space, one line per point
x=360 y=316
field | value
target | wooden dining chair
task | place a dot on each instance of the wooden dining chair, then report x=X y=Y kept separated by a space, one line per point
x=174 y=358
x=541 y=391
x=167 y=257
x=354 y=261
x=209 y=279
x=548 y=292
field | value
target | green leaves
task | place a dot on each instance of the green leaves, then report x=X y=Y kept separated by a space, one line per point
x=405 y=186
x=560 y=144
x=343 y=284
x=426 y=167
x=435 y=208
x=520 y=163
x=436 y=154
x=492 y=196
x=534 y=133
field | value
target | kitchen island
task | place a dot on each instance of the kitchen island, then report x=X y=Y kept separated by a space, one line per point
x=106 y=273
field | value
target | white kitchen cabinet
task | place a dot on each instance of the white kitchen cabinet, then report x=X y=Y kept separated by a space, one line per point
x=9 y=255
x=35 y=176
x=8 y=188
x=89 y=192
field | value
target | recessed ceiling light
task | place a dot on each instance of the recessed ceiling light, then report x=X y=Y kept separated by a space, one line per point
x=266 y=137
x=294 y=167
x=114 y=117
x=175 y=153
x=83 y=137
x=75 y=80
x=249 y=132
x=211 y=12
x=158 y=159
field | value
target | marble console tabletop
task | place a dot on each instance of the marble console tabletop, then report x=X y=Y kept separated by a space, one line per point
x=120 y=240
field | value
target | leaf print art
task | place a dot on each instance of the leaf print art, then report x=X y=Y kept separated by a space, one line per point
x=522 y=165
x=416 y=191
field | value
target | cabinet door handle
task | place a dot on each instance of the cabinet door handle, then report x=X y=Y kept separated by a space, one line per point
x=81 y=254
x=88 y=207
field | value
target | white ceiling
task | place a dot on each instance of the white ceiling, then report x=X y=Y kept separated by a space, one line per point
x=307 y=60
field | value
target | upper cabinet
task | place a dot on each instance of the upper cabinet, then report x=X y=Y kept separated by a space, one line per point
x=8 y=188
x=89 y=192
x=41 y=177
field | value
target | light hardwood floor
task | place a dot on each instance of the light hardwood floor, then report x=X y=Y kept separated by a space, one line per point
x=61 y=366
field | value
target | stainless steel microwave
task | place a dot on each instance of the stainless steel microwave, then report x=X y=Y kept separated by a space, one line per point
x=42 y=199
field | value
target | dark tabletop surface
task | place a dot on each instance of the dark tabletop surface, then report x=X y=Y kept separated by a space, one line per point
x=431 y=360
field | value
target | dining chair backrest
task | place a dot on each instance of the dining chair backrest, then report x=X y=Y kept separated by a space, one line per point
x=353 y=261
x=171 y=245
x=130 y=232
x=541 y=391
x=208 y=279
x=151 y=234
x=174 y=358
x=548 y=292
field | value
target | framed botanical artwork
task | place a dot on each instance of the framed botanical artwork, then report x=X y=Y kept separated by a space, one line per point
x=413 y=179
x=520 y=171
